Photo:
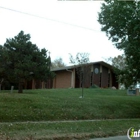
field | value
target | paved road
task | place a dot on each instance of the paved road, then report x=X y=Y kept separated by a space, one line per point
x=116 y=138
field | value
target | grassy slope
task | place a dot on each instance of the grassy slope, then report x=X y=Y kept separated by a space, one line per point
x=65 y=104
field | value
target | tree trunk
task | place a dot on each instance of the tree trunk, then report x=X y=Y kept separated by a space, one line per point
x=0 y=87
x=1 y=83
x=82 y=82
x=20 y=87
x=82 y=90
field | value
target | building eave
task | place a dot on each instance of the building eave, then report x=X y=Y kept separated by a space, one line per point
x=75 y=66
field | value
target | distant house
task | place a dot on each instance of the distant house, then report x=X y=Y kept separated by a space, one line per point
x=99 y=73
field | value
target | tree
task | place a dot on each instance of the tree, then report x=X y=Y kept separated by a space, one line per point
x=3 y=76
x=121 y=22
x=24 y=61
x=119 y=65
x=58 y=63
x=81 y=60
x=118 y=62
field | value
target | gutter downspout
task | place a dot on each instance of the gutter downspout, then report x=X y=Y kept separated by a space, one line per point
x=72 y=86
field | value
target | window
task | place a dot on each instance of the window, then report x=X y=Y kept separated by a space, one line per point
x=96 y=70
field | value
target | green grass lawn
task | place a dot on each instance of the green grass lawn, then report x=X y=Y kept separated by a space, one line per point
x=66 y=130
x=65 y=104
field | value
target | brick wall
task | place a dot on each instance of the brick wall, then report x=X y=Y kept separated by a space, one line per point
x=62 y=79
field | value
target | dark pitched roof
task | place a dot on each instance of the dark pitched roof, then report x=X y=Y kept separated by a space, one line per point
x=91 y=63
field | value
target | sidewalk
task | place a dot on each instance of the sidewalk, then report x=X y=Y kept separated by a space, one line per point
x=116 y=138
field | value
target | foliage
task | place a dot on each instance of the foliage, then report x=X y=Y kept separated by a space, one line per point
x=81 y=58
x=94 y=86
x=57 y=63
x=21 y=60
x=119 y=65
x=121 y=22
x=118 y=62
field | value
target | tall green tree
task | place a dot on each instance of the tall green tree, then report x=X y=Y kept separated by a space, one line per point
x=2 y=64
x=24 y=60
x=121 y=22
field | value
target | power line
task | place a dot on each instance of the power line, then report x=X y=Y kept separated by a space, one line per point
x=54 y=20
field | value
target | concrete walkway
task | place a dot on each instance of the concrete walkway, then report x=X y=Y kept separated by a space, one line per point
x=116 y=138
x=65 y=121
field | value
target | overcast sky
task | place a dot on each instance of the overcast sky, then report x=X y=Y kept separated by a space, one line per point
x=62 y=27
